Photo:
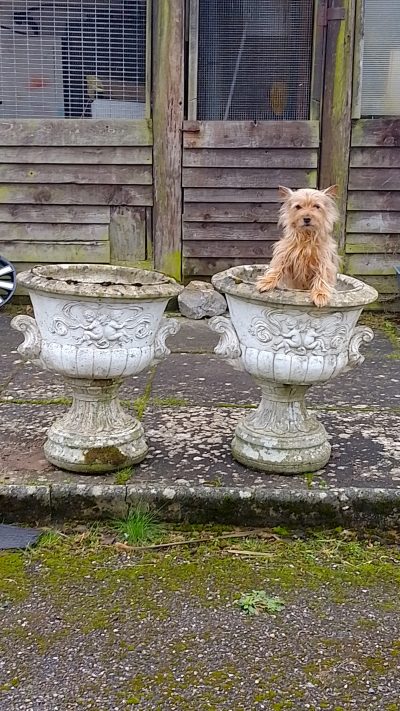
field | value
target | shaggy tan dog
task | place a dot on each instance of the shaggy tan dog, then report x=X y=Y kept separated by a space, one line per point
x=306 y=256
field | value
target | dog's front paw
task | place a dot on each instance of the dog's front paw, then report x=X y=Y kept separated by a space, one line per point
x=320 y=297
x=267 y=282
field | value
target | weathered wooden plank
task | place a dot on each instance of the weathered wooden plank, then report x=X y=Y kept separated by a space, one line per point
x=374 y=179
x=251 y=134
x=76 y=174
x=231 y=195
x=230 y=231
x=231 y=212
x=383 y=284
x=376 y=132
x=373 y=264
x=76 y=194
x=318 y=60
x=55 y=214
x=91 y=252
x=168 y=100
x=72 y=155
x=336 y=115
x=375 y=158
x=193 y=58
x=250 y=158
x=373 y=244
x=387 y=303
x=373 y=200
x=149 y=234
x=193 y=266
x=127 y=234
x=247 y=178
x=75 y=132
x=37 y=232
x=358 y=59
x=228 y=249
x=373 y=222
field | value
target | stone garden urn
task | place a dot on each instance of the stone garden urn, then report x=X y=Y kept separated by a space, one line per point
x=95 y=325
x=287 y=345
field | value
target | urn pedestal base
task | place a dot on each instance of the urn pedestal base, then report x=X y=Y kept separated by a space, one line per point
x=281 y=436
x=96 y=435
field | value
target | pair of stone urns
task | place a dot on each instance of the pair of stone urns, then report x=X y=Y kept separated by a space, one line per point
x=96 y=325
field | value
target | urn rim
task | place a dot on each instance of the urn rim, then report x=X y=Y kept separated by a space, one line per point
x=99 y=281
x=240 y=282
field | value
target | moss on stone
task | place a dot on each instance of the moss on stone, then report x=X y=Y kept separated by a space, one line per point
x=104 y=456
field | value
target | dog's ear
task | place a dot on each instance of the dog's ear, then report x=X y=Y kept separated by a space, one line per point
x=331 y=191
x=285 y=192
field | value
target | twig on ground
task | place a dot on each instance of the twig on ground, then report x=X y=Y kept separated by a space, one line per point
x=254 y=532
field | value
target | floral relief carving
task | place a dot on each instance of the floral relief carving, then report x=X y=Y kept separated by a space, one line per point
x=301 y=333
x=102 y=327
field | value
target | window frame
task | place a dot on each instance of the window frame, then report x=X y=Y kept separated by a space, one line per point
x=358 y=61
x=148 y=80
x=317 y=59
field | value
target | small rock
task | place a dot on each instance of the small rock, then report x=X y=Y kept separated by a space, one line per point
x=199 y=299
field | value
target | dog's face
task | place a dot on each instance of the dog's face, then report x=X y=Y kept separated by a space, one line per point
x=308 y=210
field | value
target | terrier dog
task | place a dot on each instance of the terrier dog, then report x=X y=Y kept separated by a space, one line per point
x=306 y=256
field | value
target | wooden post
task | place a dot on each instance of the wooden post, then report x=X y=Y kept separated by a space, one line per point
x=168 y=95
x=337 y=99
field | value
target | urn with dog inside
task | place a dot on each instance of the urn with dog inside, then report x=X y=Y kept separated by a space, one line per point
x=287 y=344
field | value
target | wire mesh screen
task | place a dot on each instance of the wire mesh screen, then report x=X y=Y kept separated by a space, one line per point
x=72 y=59
x=254 y=59
x=380 y=93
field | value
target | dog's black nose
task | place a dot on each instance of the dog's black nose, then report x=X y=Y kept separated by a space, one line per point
x=307 y=220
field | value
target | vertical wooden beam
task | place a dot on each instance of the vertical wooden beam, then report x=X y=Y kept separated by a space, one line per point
x=318 y=61
x=358 y=59
x=337 y=100
x=149 y=34
x=193 y=59
x=168 y=96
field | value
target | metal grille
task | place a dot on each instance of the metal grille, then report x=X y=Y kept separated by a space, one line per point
x=380 y=93
x=254 y=59
x=72 y=58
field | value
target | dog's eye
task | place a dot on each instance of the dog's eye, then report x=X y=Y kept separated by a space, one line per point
x=298 y=207
x=317 y=207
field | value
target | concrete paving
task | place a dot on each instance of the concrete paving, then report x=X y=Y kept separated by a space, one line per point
x=193 y=401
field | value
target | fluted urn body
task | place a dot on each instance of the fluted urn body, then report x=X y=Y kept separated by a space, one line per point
x=287 y=345
x=95 y=325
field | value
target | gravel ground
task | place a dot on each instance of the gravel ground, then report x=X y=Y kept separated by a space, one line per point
x=86 y=626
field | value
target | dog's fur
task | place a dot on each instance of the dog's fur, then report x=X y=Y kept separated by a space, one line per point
x=306 y=256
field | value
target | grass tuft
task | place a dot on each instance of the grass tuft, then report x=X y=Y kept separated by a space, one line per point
x=140 y=526
x=123 y=475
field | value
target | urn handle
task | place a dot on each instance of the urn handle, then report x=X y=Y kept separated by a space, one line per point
x=361 y=335
x=168 y=327
x=229 y=344
x=31 y=346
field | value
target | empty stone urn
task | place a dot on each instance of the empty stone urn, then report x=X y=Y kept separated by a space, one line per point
x=95 y=325
x=287 y=344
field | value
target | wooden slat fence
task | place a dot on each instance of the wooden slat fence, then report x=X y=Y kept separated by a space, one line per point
x=75 y=190
x=373 y=209
x=231 y=172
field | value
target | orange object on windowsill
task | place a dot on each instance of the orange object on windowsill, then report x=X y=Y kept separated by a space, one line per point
x=38 y=83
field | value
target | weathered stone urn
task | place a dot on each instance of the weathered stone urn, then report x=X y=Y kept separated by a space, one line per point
x=95 y=325
x=287 y=344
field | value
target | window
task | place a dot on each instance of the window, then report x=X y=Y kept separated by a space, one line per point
x=380 y=88
x=72 y=58
x=254 y=59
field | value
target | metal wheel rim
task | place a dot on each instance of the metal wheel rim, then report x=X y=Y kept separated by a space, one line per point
x=8 y=281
